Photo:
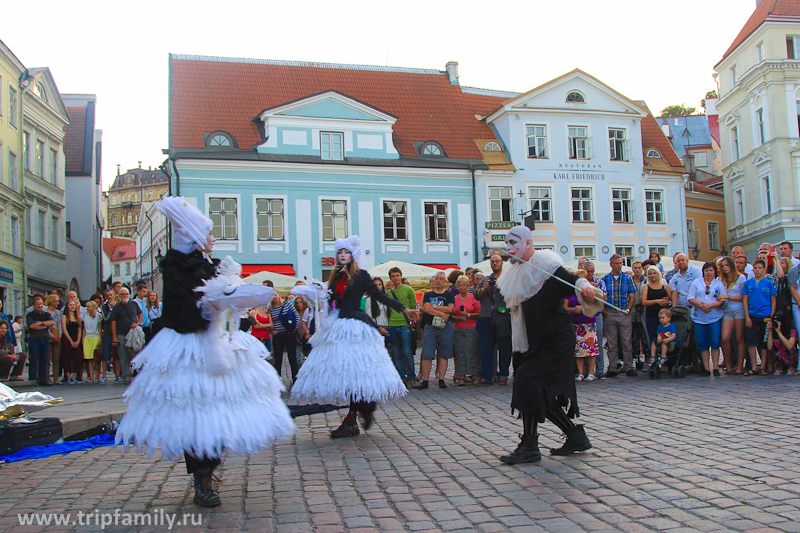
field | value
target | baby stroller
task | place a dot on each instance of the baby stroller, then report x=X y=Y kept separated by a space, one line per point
x=677 y=363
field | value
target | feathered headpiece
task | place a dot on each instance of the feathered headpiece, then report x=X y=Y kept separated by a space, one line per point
x=352 y=244
x=191 y=226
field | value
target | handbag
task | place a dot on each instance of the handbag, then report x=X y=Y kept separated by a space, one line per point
x=438 y=322
x=501 y=320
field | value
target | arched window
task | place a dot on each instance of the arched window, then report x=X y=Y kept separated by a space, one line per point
x=431 y=149
x=574 y=97
x=653 y=154
x=220 y=139
x=493 y=147
x=39 y=91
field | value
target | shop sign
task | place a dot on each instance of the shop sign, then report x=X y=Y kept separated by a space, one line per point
x=7 y=275
x=501 y=225
x=500 y=237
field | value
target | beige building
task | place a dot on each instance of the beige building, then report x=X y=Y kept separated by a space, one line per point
x=759 y=80
x=126 y=194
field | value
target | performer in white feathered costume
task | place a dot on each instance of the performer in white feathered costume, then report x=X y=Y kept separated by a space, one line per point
x=348 y=362
x=203 y=388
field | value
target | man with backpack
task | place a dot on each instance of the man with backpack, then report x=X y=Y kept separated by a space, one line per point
x=286 y=319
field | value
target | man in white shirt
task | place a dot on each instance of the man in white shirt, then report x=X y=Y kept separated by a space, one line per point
x=736 y=252
x=682 y=280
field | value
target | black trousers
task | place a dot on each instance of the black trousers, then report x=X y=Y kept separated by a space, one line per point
x=289 y=342
x=204 y=465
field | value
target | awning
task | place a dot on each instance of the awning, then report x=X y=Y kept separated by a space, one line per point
x=443 y=266
x=286 y=270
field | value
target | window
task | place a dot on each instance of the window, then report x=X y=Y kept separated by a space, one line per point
x=127 y=268
x=15 y=235
x=617 y=144
x=537 y=142
x=713 y=236
x=26 y=150
x=334 y=219
x=431 y=150
x=492 y=147
x=738 y=207
x=766 y=195
x=331 y=146
x=693 y=237
x=2 y=109
x=394 y=221
x=626 y=252
x=113 y=220
x=653 y=154
x=12 y=170
x=760 y=52
x=735 y=143
x=68 y=229
x=39 y=91
x=42 y=229
x=500 y=204
x=219 y=140
x=582 y=205
x=540 y=204
x=40 y=159
x=578 y=143
x=54 y=240
x=53 y=165
x=760 y=124
x=117 y=269
x=700 y=159
x=654 y=206
x=790 y=47
x=583 y=251
x=223 y=214
x=130 y=218
x=622 y=205
x=733 y=75
x=12 y=106
x=269 y=219
x=660 y=250
x=2 y=167
x=436 y=221
x=575 y=97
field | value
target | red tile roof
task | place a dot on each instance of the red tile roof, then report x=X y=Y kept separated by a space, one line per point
x=779 y=10
x=693 y=186
x=123 y=253
x=110 y=243
x=73 y=139
x=209 y=94
x=653 y=137
x=713 y=127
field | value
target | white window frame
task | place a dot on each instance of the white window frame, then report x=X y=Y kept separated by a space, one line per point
x=631 y=201
x=4 y=228
x=491 y=200
x=662 y=201
x=329 y=155
x=447 y=218
x=760 y=125
x=13 y=107
x=26 y=150
x=692 y=234
x=39 y=151
x=13 y=170
x=700 y=159
x=409 y=224
x=658 y=249
x=760 y=52
x=767 y=200
x=735 y=143
x=587 y=150
x=348 y=217
x=15 y=234
x=394 y=217
x=738 y=207
x=284 y=218
x=578 y=247
x=537 y=138
x=550 y=209
x=117 y=269
x=53 y=170
x=713 y=243
x=624 y=144
x=627 y=260
x=41 y=226
x=55 y=225
x=593 y=219
x=238 y=197
x=550 y=247
x=652 y=153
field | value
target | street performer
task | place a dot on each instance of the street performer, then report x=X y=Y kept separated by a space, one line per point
x=543 y=344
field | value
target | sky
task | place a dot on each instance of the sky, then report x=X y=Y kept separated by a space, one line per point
x=660 y=52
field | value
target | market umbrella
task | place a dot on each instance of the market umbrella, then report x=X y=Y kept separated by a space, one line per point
x=281 y=283
x=418 y=275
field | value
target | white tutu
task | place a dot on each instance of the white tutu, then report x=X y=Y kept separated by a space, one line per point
x=182 y=399
x=348 y=362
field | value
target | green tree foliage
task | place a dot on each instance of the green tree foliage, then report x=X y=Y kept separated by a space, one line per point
x=709 y=94
x=677 y=111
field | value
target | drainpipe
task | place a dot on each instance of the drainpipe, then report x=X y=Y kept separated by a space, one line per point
x=474 y=215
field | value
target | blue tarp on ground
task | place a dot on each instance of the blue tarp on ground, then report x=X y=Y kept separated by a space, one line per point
x=37 y=452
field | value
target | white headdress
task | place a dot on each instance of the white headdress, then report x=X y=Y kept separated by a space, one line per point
x=352 y=244
x=191 y=226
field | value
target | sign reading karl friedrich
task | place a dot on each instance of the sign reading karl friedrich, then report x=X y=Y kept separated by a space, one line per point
x=579 y=171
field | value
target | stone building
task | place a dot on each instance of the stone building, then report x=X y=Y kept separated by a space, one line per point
x=126 y=194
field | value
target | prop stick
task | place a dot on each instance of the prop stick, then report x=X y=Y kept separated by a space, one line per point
x=565 y=282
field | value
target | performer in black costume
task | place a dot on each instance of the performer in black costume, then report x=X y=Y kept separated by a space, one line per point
x=543 y=342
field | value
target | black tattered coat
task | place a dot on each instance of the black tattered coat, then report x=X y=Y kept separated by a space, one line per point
x=349 y=304
x=183 y=273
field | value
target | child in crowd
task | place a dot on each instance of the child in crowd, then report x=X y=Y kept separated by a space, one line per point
x=783 y=340
x=759 y=305
x=666 y=335
x=17 y=326
x=91 y=340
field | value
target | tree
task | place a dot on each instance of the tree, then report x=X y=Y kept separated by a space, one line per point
x=677 y=111
x=709 y=94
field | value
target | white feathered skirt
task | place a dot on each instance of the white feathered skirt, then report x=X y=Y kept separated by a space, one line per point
x=185 y=400
x=348 y=362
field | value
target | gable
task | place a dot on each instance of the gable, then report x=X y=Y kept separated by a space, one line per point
x=328 y=108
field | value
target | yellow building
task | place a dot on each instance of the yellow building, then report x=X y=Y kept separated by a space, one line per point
x=705 y=222
x=12 y=206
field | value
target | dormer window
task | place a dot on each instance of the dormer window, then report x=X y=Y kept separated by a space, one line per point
x=492 y=147
x=331 y=146
x=220 y=139
x=653 y=154
x=431 y=149
x=574 y=97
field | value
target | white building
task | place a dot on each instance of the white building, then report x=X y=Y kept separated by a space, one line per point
x=592 y=167
x=151 y=243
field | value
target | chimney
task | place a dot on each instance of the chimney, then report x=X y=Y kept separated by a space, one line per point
x=117 y=169
x=452 y=72
x=711 y=107
x=665 y=129
x=140 y=164
x=149 y=167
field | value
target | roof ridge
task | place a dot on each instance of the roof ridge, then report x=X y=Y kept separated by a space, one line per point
x=313 y=64
x=489 y=92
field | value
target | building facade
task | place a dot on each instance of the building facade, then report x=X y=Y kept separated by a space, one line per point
x=44 y=119
x=126 y=194
x=759 y=79
x=152 y=243
x=591 y=167
x=119 y=259
x=84 y=220
x=12 y=203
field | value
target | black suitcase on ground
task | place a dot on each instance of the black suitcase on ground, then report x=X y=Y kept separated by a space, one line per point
x=23 y=433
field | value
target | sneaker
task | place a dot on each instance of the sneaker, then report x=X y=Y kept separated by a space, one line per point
x=631 y=373
x=590 y=377
x=502 y=381
x=601 y=375
x=579 y=377
x=413 y=384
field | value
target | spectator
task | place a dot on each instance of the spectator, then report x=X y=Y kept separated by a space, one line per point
x=262 y=326
x=406 y=282
x=655 y=257
x=92 y=327
x=116 y=287
x=741 y=265
x=125 y=316
x=783 y=339
x=11 y=337
x=736 y=253
x=61 y=303
x=759 y=306
x=10 y=362
x=682 y=280
x=54 y=340
x=400 y=328
x=452 y=278
x=38 y=321
x=307 y=327
x=109 y=352
x=141 y=301
x=283 y=338
x=468 y=272
x=492 y=302
x=786 y=249
x=17 y=327
x=616 y=325
x=733 y=318
x=655 y=297
x=268 y=283
x=582 y=263
x=707 y=296
x=638 y=333
x=466 y=342
x=153 y=309
x=585 y=333
x=598 y=283
x=380 y=314
x=668 y=276
x=437 y=306
x=71 y=347
x=302 y=334
x=793 y=278
x=477 y=277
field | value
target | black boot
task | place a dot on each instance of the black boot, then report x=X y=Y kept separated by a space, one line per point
x=577 y=441
x=367 y=409
x=204 y=493
x=349 y=427
x=526 y=452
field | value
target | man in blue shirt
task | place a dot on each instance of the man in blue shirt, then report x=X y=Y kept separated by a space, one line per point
x=759 y=307
x=617 y=326
x=682 y=281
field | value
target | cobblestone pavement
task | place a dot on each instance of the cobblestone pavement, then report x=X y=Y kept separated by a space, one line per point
x=695 y=454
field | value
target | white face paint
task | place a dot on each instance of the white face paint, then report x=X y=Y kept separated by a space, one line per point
x=344 y=256
x=515 y=245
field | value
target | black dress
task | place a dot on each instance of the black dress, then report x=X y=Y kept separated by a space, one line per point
x=183 y=273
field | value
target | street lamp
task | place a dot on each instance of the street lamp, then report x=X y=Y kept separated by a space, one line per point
x=696 y=252
x=159 y=258
x=724 y=252
x=485 y=250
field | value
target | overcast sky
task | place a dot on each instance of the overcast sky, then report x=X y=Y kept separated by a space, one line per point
x=660 y=52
